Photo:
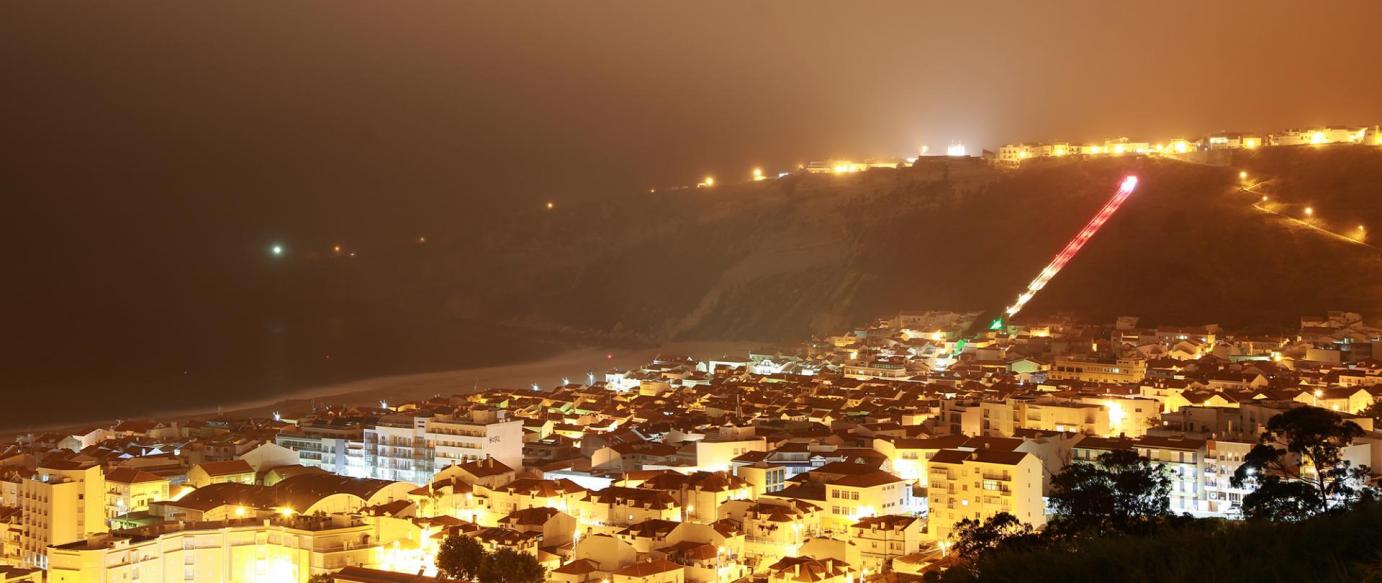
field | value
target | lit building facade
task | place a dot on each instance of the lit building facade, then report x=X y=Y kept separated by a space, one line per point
x=474 y=436
x=981 y=483
x=61 y=503
x=240 y=550
x=396 y=448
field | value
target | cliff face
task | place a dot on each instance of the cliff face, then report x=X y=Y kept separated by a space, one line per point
x=811 y=254
x=209 y=321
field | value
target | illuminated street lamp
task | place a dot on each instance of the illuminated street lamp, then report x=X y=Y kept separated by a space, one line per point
x=1309 y=211
x=758 y=174
x=1242 y=174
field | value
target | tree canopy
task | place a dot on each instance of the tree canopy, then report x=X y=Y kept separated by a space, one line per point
x=510 y=566
x=974 y=538
x=1122 y=493
x=1298 y=466
x=460 y=557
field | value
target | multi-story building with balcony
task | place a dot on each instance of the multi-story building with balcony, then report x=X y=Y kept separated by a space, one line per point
x=64 y=501
x=474 y=436
x=397 y=449
x=130 y=490
x=1186 y=461
x=1222 y=459
x=338 y=449
x=981 y=483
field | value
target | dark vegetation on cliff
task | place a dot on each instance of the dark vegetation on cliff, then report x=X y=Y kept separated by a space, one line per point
x=812 y=254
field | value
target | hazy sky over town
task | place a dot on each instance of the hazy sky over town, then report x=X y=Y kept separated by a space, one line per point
x=150 y=151
x=525 y=97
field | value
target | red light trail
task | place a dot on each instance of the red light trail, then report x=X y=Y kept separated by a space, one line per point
x=1073 y=247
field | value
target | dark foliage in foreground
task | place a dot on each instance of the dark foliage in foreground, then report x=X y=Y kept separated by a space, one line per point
x=1344 y=545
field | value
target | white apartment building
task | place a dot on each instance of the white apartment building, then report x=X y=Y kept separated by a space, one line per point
x=1222 y=460
x=474 y=436
x=1187 y=462
x=62 y=502
x=339 y=450
x=414 y=447
x=397 y=449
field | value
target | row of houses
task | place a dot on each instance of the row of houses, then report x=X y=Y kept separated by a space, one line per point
x=1014 y=154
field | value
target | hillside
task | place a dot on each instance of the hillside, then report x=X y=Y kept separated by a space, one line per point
x=212 y=320
x=811 y=254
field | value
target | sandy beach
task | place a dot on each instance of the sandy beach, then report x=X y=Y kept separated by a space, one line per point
x=548 y=372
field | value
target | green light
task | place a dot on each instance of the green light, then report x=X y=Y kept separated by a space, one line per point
x=277 y=250
x=996 y=324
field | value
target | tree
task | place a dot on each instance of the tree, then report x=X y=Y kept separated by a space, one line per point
x=510 y=566
x=1298 y=466
x=321 y=578
x=974 y=538
x=1373 y=410
x=1278 y=499
x=1123 y=493
x=460 y=557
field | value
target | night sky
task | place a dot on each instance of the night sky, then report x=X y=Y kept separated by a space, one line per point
x=152 y=152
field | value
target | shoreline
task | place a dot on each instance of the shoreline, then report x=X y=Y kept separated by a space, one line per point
x=547 y=372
